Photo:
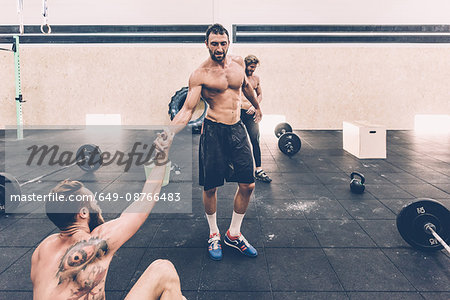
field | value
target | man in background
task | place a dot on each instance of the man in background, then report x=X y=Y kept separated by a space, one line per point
x=248 y=113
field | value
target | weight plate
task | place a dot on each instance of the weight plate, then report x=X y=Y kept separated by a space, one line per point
x=9 y=187
x=199 y=114
x=289 y=143
x=412 y=219
x=282 y=128
x=2 y=197
x=89 y=157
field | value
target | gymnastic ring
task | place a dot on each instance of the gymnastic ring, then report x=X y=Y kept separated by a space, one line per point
x=48 y=27
x=176 y=104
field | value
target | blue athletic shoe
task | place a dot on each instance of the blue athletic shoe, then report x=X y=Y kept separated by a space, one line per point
x=215 y=248
x=241 y=244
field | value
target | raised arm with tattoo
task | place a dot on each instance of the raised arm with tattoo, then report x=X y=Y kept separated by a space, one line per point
x=73 y=264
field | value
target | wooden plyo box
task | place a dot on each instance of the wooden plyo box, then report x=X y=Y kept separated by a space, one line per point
x=364 y=140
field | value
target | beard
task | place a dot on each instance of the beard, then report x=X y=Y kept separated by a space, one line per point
x=95 y=219
x=213 y=56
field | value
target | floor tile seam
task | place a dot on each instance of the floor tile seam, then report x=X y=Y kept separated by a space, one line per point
x=410 y=173
x=143 y=247
x=414 y=197
x=319 y=219
x=348 y=291
x=306 y=184
x=176 y=218
x=399 y=167
x=265 y=256
x=344 y=247
x=356 y=220
x=411 y=197
x=16 y=260
x=377 y=197
x=16 y=247
x=345 y=171
x=155 y=233
x=396 y=183
x=394 y=212
x=360 y=226
x=434 y=185
x=202 y=269
x=333 y=247
x=410 y=146
x=379 y=200
x=351 y=216
x=233 y=290
x=2 y=229
x=428 y=166
x=299 y=172
x=423 y=297
x=348 y=199
x=417 y=159
x=356 y=291
x=168 y=247
x=398 y=269
x=110 y=183
x=327 y=257
x=142 y=257
x=26 y=217
x=250 y=291
x=202 y=261
x=367 y=219
x=27 y=204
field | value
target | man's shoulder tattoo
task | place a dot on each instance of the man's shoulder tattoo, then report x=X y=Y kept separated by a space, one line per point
x=78 y=266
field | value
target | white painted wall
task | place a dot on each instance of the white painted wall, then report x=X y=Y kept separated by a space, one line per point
x=318 y=85
x=231 y=11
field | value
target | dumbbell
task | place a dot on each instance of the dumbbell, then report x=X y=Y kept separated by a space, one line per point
x=88 y=158
x=288 y=142
x=425 y=225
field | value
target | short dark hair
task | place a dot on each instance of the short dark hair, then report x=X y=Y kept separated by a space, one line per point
x=63 y=213
x=251 y=59
x=216 y=29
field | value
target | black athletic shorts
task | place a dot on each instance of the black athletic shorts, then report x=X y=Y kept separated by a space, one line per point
x=224 y=154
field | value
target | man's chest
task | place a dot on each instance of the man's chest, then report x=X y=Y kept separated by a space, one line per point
x=223 y=79
x=253 y=82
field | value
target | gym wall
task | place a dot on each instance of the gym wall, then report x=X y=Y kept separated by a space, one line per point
x=315 y=85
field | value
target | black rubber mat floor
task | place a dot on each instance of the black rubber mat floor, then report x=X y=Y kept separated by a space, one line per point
x=316 y=240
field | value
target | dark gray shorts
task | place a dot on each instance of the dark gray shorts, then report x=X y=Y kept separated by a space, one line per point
x=224 y=154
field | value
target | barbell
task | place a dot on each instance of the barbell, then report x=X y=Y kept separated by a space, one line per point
x=88 y=158
x=425 y=225
x=288 y=142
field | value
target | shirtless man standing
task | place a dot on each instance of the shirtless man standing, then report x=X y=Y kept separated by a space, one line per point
x=247 y=113
x=224 y=152
x=73 y=264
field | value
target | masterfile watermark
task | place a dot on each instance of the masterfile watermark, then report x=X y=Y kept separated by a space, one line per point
x=142 y=152
x=114 y=163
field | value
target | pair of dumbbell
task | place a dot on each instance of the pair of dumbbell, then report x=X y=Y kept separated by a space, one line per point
x=288 y=142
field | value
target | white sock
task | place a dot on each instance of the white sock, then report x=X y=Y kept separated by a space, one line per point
x=212 y=222
x=236 y=221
